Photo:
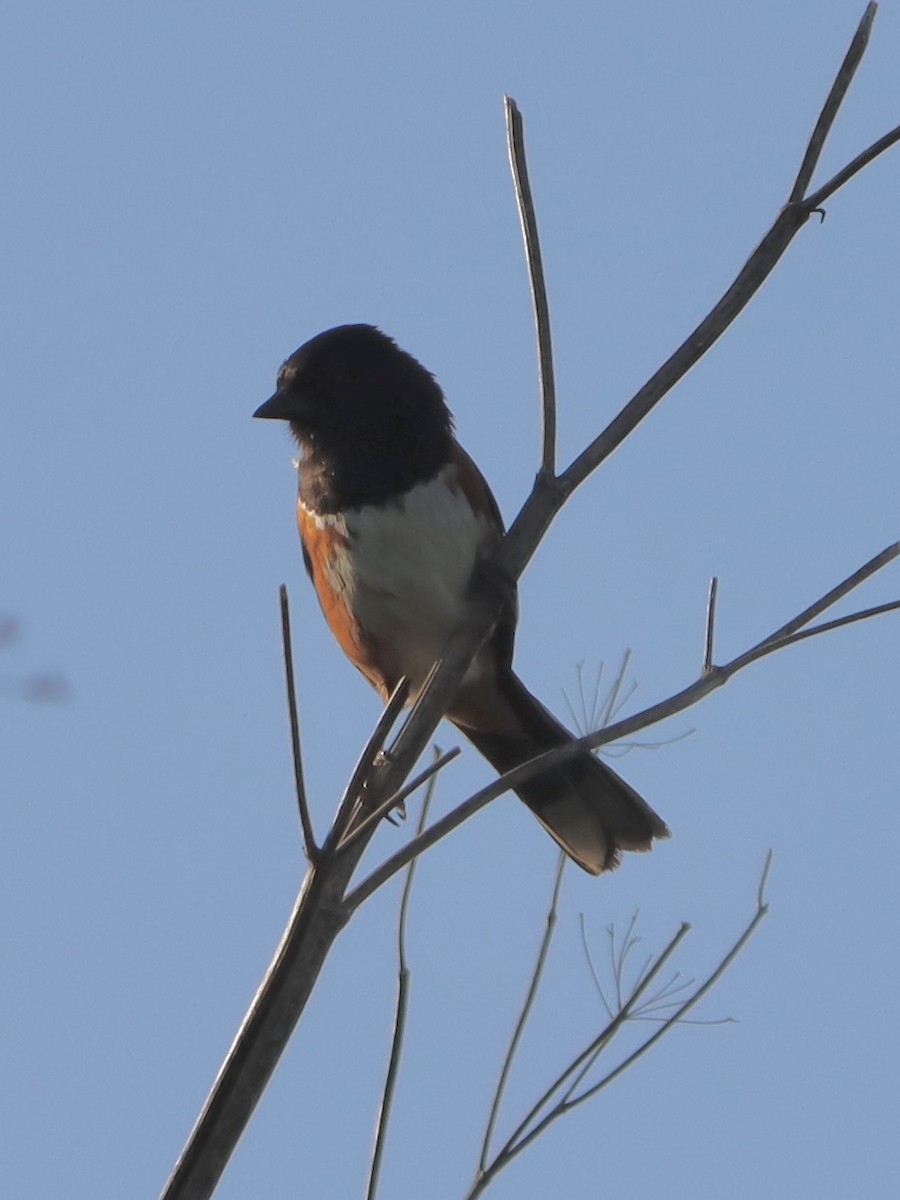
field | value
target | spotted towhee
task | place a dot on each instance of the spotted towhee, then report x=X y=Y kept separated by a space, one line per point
x=394 y=516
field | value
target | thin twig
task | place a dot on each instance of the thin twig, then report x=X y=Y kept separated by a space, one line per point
x=390 y=1080
x=395 y=800
x=825 y=627
x=762 y=909
x=592 y=716
x=612 y=700
x=513 y=1144
x=710 y=626
x=579 y=720
x=350 y=799
x=524 y=1013
x=642 y=744
x=837 y=593
x=265 y=1030
x=749 y=279
x=595 y=974
x=521 y=1139
x=817 y=199
x=548 y=496
x=515 y=141
x=619 y=960
x=402 y=794
x=717 y=677
x=626 y=1008
x=830 y=108
x=322 y=906
x=309 y=838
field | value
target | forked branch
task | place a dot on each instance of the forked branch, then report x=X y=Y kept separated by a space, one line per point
x=708 y=681
x=569 y=1089
x=323 y=906
x=524 y=1014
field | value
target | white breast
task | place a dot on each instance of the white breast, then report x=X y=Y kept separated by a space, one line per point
x=404 y=569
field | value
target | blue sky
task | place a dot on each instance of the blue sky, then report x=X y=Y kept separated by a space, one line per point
x=191 y=190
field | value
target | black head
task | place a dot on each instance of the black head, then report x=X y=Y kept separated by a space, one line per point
x=366 y=414
x=349 y=378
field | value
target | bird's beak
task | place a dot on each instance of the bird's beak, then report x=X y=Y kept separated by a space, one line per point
x=277 y=408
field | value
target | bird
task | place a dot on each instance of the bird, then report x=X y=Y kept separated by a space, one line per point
x=394 y=518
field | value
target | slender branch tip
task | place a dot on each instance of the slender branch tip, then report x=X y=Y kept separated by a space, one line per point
x=761 y=903
x=309 y=841
x=710 y=626
x=515 y=141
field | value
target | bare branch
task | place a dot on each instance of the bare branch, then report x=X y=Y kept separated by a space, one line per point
x=592 y=717
x=264 y=1032
x=595 y=974
x=318 y=916
x=817 y=199
x=762 y=909
x=844 y=78
x=584 y=719
x=837 y=593
x=309 y=837
x=366 y=761
x=322 y=908
x=620 y=957
x=750 y=278
x=752 y=275
x=515 y=140
x=530 y=1128
x=825 y=627
x=390 y=1081
x=518 y=1140
x=545 y=500
x=567 y=1105
x=396 y=799
x=613 y=701
x=626 y=1008
x=715 y=678
x=710 y=626
x=525 y=1012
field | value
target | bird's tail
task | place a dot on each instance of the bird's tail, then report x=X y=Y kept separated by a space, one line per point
x=585 y=806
